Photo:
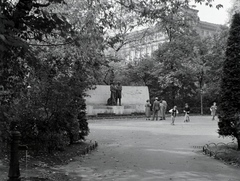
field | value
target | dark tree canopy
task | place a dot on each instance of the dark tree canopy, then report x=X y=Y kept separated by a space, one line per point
x=229 y=114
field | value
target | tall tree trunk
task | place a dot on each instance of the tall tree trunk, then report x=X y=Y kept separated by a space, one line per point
x=173 y=94
x=238 y=142
x=238 y=131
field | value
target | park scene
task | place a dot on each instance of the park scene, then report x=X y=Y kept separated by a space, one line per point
x=119 y=90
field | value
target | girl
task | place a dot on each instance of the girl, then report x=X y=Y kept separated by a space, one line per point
x=174 y=113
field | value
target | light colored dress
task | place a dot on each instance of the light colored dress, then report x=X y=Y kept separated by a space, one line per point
x=160 y=112
x=147 y=110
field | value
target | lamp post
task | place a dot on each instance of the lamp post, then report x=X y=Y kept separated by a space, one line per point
x=201 y=98
x=14 y=173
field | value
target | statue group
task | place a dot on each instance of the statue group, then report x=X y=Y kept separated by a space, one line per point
x=116 y=94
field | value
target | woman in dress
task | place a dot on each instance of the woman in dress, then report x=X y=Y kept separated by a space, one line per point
x=147 y=110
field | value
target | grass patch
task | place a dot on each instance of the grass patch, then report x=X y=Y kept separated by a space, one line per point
x=225 y=152
x=44 y=162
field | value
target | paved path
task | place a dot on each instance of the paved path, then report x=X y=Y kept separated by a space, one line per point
x=140 y=150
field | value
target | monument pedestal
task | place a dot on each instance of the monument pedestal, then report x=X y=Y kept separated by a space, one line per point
x=117 y=110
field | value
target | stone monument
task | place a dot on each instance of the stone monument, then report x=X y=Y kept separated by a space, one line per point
x=133 y=99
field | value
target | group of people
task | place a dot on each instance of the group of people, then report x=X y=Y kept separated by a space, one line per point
x=116 y=94
x=159 y=109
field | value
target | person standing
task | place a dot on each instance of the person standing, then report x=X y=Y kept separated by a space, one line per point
x=161 y=110
x=213 y=110
x=113 y=93
x=174 y=113
x=164 y=109
x=148 y=110
x=156 y=108
x=187 y=112
x=118 y=93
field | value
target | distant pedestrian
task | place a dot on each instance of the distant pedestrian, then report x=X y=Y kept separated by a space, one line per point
x=187 y=112
x=155 y=108
x=213 y=110
x=174 y=113
x=164 y=109
x=148 y=110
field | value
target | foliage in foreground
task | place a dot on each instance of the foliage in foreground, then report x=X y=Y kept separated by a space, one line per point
x=229 y=107
x=46 y=88
x=45 y=82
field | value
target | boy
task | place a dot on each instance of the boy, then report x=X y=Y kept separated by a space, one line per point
x=213 y=110
x=187 y=112
x=174 y=113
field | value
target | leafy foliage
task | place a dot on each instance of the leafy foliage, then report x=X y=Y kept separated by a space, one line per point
x=180 y=68
x=216 y=57
x=173 y=76
x=141 y=72
x=51 y=52
x=229 y=114
x=49 y=106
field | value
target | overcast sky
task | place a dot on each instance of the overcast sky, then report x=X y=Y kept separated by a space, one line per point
x=213 y=15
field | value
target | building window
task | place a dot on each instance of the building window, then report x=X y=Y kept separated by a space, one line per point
x=138 y=54
x=132 y=54
x=149 y=50
x=143 y=50
x=155 y=47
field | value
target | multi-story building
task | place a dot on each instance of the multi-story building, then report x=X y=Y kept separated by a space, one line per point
x=146 y=41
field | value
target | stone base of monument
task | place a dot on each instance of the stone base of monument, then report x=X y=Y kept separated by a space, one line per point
x=93 y=110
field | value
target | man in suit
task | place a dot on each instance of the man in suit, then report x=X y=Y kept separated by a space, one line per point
x=156 y=108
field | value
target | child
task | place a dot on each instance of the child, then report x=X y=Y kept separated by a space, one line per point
x=147 y=110
x=187 y=112
x=174 y=113
x=213 y=110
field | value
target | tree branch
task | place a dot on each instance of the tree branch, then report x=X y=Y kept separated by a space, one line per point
x=37 y=5
x=50 y=44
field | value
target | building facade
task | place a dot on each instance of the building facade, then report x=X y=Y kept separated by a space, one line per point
x=144 y=42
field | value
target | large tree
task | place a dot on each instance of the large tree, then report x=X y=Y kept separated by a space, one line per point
x=174 y=58
x=23 y=24
x=217 y=48
x=229 y=104
x=50 y=55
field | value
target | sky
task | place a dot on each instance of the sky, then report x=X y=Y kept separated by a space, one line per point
x=213 y=15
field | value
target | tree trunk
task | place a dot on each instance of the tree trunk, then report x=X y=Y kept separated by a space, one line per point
x=173 y=95
x=238 y=142
x=238 y=130
x=71 y=137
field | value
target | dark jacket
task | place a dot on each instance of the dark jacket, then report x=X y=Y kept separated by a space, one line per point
x=156 y=105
